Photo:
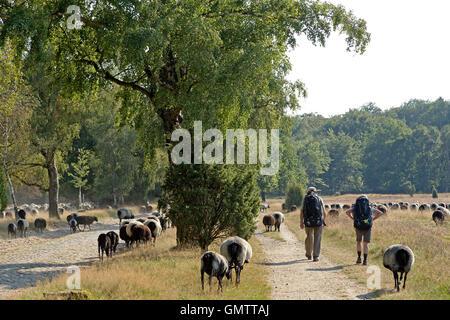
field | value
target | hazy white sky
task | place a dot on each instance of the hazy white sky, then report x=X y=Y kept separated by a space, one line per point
x=408 y=57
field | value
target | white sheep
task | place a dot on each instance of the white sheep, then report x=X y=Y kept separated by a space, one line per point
x=214 y=265
x=279 y=219
x=237 y=251
x=398 y=258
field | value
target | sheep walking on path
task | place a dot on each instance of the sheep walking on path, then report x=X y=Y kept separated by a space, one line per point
x=237 y=251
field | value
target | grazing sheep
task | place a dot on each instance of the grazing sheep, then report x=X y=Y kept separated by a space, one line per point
x=424 y=207
x=8 y=215
x=165 y=222
x=40 y=224
x=414 y=207
x=448 y=206
x=346 y=206
x=142 y=209
x=85 y=221
x=114 y=241
x=22 y=226
x=404 y=206
x=268 y=221
x=34 y=212
x=441 y=204
x=444 y=210
x=327 y=206
x=382 y=208
x=124 y=213
x=149 y=207
x=395 y=206
x=12 y=230
x=398 y=258
x=104 y=245
x=279 y=219
x=61 y=211
x=333 y=213
x=283 y=206
x=264 y=206
x=237 y=251
x=154 y=227
x=438 y=217
x=293 y=208
x=433 y=206
x=214 y=265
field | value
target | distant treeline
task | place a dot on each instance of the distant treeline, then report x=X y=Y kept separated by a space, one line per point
x=400 y=150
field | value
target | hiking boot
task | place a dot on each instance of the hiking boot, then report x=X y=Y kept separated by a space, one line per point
x=316 y=259
x=309 y=257
x=358 y=260
x=365 y=262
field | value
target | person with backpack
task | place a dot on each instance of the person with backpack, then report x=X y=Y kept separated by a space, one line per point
x=312 y=219
x=363 y=216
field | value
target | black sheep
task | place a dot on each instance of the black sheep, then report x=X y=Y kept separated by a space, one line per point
x=85 y=221
x=124 y=236
x=40 y=224
x=114 y=240
x=12 y=230
x=22 y=214
x=104 y=244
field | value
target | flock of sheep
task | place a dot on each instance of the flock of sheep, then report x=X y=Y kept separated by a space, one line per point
x=440 y=211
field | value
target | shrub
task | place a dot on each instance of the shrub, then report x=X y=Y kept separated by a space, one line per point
x=211 y=201
x=294 y=194
x=434 y=193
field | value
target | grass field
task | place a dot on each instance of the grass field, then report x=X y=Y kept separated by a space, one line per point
x=160 y=272
x=429 y=278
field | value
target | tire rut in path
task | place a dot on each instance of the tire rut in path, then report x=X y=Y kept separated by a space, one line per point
x=294 y=277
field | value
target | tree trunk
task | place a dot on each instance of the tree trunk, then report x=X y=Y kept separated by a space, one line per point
x=79 y=198
x=53 y=189
x=13 y=193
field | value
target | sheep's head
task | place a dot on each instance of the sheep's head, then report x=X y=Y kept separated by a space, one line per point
x=228 y=273
x=95 y=219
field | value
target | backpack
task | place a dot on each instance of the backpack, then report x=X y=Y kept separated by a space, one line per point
x=312 y=213
x=362 y=214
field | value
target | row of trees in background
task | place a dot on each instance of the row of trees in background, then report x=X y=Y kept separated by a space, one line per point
x=400 y=150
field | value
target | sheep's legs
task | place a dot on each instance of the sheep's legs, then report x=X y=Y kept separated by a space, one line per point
x=220 y=283
x=238 y=278
x=202 y=276
x=404 y=281
x=209 y=280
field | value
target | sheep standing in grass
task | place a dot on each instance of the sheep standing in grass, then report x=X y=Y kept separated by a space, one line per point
x=382 y=208
x=137 y=232
x=104 y=245
x=114 y=240
x=214 y=265
x=123 y=234
x=155 y=229
x=73 y=224
x=268 y=221
x=22 y=214
x=279 y=219
x=237 y=251
x=398 y=258
x=40 y=224
x=12 y=230
x=440 y=214
x=22 y=226
x=333 y=213
x=124 y=213
x=424 y=207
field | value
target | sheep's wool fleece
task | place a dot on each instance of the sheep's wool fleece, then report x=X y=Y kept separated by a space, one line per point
x=130 y=225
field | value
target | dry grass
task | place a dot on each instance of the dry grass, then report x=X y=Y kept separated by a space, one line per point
x=429 y=278
x=160 y=272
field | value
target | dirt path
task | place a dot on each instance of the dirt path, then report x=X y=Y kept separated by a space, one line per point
x=294 y=277
x=23 y=262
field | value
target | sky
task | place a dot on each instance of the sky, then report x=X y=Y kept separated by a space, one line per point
x=408 y=57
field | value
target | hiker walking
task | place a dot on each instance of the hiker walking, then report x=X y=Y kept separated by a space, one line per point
x=363 y=216
x=312 y=218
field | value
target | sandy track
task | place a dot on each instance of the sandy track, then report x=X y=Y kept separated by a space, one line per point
x=23 y=262
x=294 y=277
